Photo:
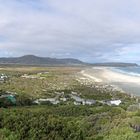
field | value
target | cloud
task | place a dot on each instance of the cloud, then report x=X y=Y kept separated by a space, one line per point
x=91 y=30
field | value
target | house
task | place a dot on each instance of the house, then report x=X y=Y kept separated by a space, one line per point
x=63 y=99
x=84 y=102
x=11 y=93
x=77 y=103
x=81 y=101
x=3 y=77
x=51 y=100
x=74 y=93
x=114 y=102
x=89 y=102
x=76 y=98
x=29 y=76
x=9 y=97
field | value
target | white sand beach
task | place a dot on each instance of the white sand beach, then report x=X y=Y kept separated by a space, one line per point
x=103 y=74
x=128 y=83
x=86 y=74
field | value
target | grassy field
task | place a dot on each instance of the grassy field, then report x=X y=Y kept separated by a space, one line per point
x=39 y=81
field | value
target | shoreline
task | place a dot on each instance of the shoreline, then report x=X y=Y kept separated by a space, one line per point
x=105 y=76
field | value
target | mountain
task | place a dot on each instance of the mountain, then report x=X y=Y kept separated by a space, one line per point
x=115 y=64
x=35 y=60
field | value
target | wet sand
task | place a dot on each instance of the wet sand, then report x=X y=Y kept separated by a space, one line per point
x=128 y=83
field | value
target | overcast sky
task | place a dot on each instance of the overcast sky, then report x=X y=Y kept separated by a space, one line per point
x=90 y=30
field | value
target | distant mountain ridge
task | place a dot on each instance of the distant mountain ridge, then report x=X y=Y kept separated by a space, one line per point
x=116 y=64
x=35 y=60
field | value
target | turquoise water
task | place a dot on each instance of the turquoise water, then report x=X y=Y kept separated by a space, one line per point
x=130 y=88
x=134 y=71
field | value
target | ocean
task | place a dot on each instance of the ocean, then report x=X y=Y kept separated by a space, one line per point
x=129 y=87
x=133 y=71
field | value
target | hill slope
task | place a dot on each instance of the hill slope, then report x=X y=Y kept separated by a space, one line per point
x=35 y=60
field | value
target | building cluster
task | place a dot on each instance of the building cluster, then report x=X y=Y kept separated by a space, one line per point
x=76 y=100
x=80 y=101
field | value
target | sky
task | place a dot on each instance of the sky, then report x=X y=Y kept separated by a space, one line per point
x=89 y=30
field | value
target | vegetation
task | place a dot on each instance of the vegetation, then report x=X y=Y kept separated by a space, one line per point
x=67 y=122
x=42 y=85
x=64 y=121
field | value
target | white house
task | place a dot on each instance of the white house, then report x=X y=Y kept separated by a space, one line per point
x=77 y=103
x=3 y=77
x=63 y=99
x=52 y=100
x=114 y=102
x=89 y=102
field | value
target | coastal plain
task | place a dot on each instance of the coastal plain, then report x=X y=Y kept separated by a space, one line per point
x=72 y=103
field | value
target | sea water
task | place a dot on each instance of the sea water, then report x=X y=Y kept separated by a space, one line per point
x=130 y=88
x=133 y=71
